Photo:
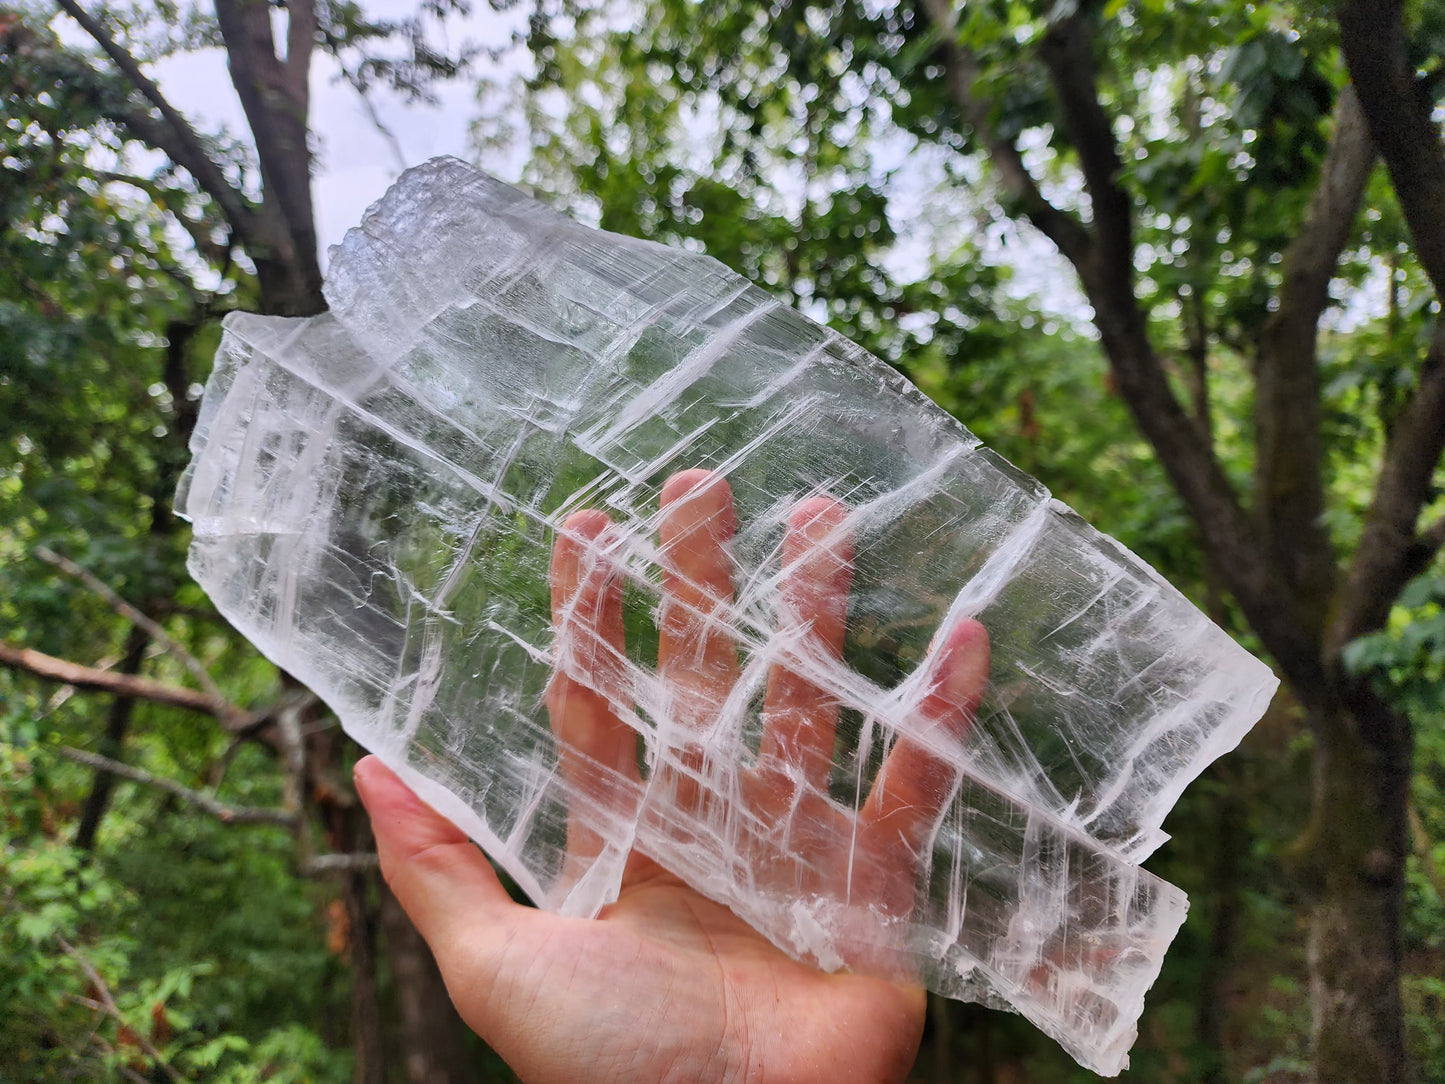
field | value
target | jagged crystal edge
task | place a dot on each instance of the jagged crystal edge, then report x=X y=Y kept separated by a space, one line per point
x=445 y=307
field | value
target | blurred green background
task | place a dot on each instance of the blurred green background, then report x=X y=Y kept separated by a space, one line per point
x=1182 y=262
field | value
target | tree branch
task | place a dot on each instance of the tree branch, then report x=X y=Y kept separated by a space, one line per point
x=1289 y=467
x=1067 y=51
x=1105 y=268
x=105 y=1002
x=1372 y=36
x=1390 y=552
x=174 y=137
x=126 y=610
x=301 y=28
x=50 y=668
x=229 y=814
x=339 y=863
x=276 y=100
x=961 y=74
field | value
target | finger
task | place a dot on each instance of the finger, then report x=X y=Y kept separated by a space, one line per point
x=696 y=658
x=799 y=718
x=914 y=784
x=440 y=878
x=592 y=740
x=587 y=612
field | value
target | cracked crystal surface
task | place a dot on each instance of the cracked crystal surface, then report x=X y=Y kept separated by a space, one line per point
x=377 y=494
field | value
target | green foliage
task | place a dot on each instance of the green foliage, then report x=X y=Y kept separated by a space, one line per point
x=791 y=144
x=188 y=922
x=815 y=147
x=1409 y=653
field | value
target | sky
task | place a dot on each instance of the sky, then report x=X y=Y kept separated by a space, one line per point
x=356 y=164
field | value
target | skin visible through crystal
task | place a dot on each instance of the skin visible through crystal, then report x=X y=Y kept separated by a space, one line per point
x=603 y=550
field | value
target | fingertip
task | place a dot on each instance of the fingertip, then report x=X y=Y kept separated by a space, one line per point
x=960 y=673
x=694 y=484
x=439 y=876
x=587 y=524
x=817 y=517
x=371 y=777
x=400 y=820
x=967 y=654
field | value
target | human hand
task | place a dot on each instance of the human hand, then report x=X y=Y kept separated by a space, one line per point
x=666 y=984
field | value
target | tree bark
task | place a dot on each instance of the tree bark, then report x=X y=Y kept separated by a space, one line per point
x=111 y=745
x=366 y=1047
x=1289 y=499
x=275 y=95
x=1399 y=110
x=1357 y=863
x=1279 y=563
x=433 y=1050
x=1224 y=895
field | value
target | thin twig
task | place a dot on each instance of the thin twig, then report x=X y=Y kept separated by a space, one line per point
x=126 y=610
x=96 y=1041
x=65 y=692
x=87 y=677
x=229 y=814
x=363 y=92
x=106 y=1003
x=339 y=863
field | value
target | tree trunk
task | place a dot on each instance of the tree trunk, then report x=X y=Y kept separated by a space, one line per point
x=1356 y=860
x=117 y=723
x=370 y=1067
x=433 y=1050
x=1230 y=844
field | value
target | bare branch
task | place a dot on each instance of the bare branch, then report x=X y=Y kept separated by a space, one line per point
x=1068 y=52
x=339 y=863
x=126 y=610
x=177 y=139
x=376 y=122
x=85 y=677
x=105 y=1002
x=1398 y=108
x=1390 y=552
x=99 y=1043
x=229 y=814
x=1311 y=260
x=1289 y=468
x=276 y=100
x=961 y=73
x=301 y=25
x=104 y=664
x=292 y=747
x=1105 y=268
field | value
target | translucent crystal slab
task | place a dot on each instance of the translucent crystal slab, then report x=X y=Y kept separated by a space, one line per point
x=377 y=493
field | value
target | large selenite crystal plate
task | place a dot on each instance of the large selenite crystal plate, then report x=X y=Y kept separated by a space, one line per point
x=376 y=493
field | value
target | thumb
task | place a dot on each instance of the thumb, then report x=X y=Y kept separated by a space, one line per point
x=441 y=879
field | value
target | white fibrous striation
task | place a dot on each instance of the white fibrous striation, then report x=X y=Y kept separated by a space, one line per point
x=376 y=494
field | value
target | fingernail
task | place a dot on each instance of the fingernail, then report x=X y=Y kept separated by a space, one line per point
x=361 y=775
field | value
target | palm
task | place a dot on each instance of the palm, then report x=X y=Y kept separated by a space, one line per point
x=697 y=994
x=667 y=984
x=664 y=985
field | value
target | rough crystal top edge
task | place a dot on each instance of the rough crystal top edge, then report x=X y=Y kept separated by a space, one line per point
x=372 y=266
